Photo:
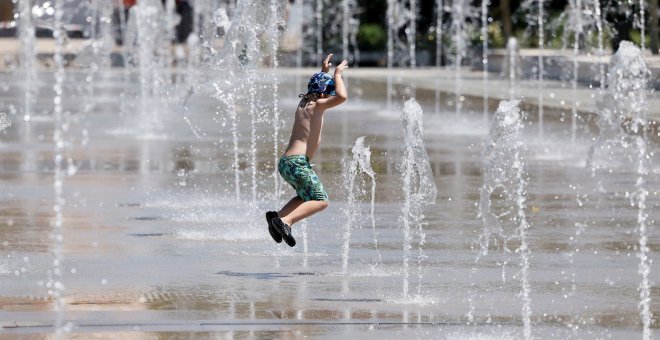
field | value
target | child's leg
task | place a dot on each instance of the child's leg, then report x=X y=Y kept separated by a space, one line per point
x=290 y=206
x=303 y=210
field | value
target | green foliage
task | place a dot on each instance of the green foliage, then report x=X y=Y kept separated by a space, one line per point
x=496 y=36
x=636 y=37
x=372 y=37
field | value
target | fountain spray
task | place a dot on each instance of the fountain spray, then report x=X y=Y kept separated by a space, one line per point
x=319 y=29
x=577 y=26
x=459 y=39
x=512 y=66
x=274 y=44
x=411 y=32
x=484 y=54
x=28 y=41
x=390 y=50
x=541 y=45
x=505 y=176
x=55 y=286
x=358 y=163
x=439 y=12
x=418 y=187
x=642 y=23
x=623 y=123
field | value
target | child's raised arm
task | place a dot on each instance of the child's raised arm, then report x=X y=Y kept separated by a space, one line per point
x=325 y=67
x=340 y=90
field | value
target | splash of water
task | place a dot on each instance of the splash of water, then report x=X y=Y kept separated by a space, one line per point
x=238 y=59
x=359 y=162
x=418 y=188
x=622 y=99
x=5 y=123
x=504 y=176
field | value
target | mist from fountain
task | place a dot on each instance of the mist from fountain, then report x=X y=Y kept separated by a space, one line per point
x=353 y=166
x=418 y=187
x=502 y=199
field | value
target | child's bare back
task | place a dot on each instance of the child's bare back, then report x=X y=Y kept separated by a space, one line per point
x=306 y=133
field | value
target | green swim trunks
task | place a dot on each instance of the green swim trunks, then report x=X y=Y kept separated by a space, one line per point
x=297 y=171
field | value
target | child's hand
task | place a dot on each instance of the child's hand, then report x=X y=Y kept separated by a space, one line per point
x=326 y=64
x=341 y=67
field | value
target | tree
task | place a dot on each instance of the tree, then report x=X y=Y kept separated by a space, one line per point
x=507 y=26
x=6 y=10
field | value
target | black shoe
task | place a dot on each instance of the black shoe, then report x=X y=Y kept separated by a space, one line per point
x=273 y=233
x=284 y=230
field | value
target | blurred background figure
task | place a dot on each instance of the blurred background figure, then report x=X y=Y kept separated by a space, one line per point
x=183 y=9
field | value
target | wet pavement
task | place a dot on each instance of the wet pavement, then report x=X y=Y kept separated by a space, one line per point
x=155 y=243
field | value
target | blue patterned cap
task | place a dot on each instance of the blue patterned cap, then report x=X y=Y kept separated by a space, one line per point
x=321 y=82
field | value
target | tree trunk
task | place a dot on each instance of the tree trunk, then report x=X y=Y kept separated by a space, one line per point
x=505 y=9
x=653 y=25
x=6 y=10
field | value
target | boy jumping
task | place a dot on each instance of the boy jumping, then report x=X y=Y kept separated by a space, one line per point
x=323 y=92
